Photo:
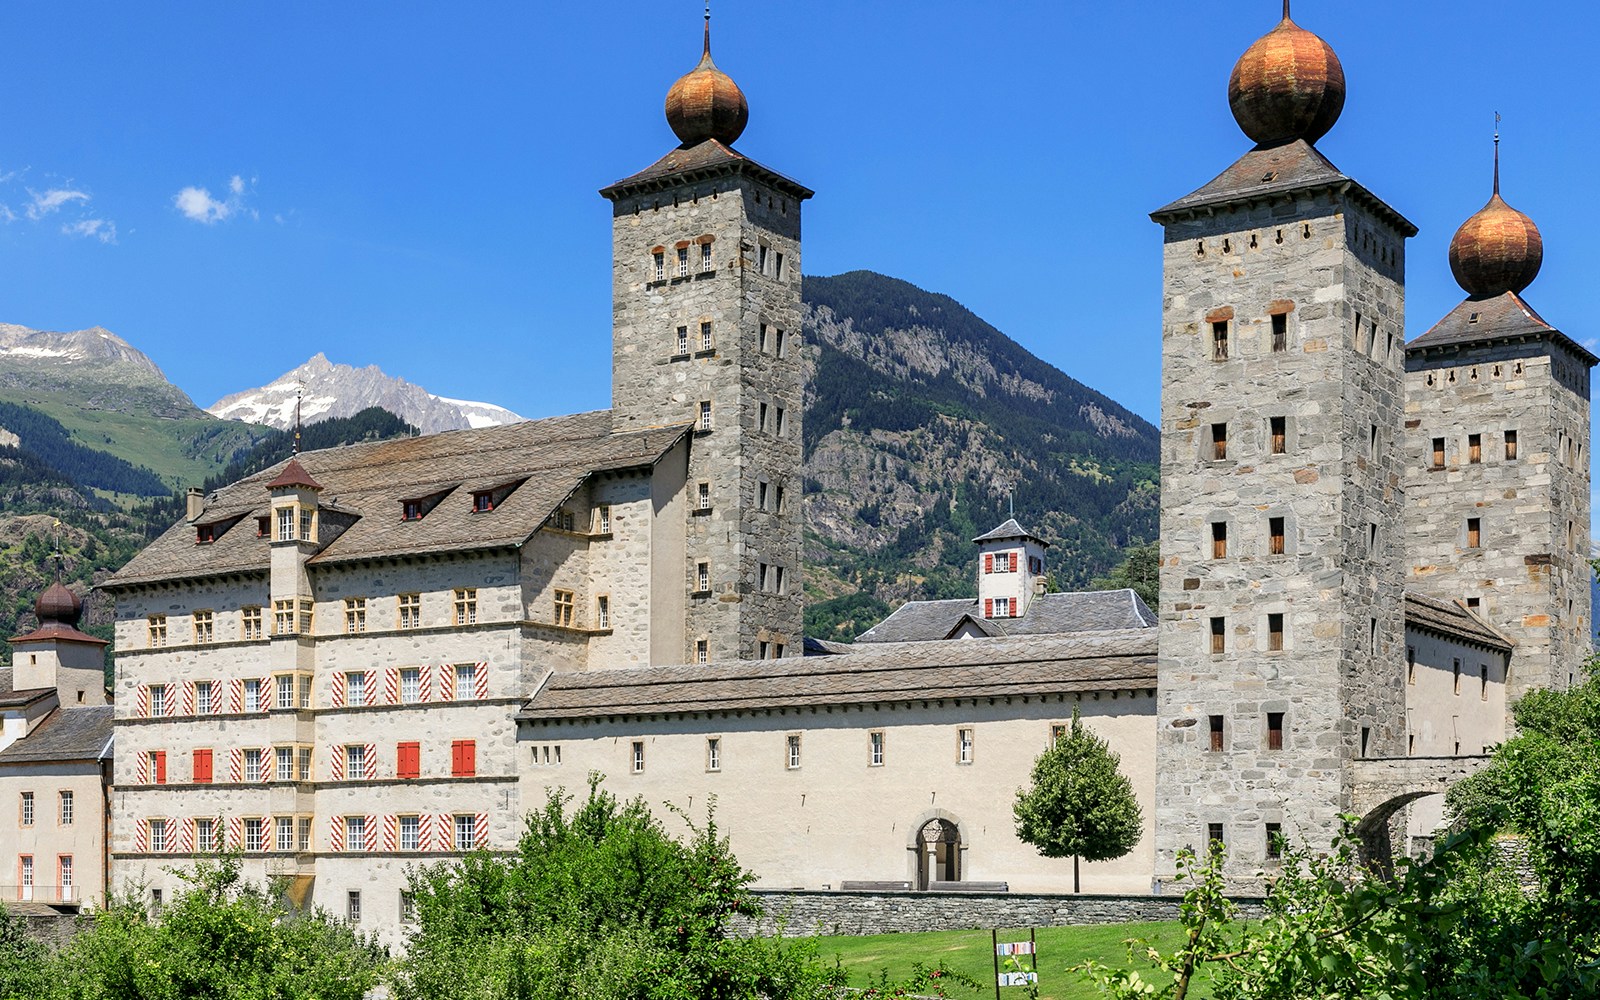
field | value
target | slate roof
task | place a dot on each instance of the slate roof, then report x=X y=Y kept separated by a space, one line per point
x=58 y=631
x=976 y=668
x=1011 y=529
x=16 y=699
x=364 y=485
x=1048 y=614
x=707 y=159
x=1495 y=319
x=65 y=734
x=1276 y=171
x=1453 y=620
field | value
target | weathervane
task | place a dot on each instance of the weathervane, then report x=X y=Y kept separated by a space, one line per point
x=1497 y=152
x=299 y=391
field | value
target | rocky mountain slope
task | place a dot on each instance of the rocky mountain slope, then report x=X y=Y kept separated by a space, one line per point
x=328 y=390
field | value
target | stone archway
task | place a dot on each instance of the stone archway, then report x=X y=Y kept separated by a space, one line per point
x=938 y=853
x=1377 y=830
x=1385 y=785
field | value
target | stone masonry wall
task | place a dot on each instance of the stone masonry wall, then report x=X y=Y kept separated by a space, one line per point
x=1333 y=270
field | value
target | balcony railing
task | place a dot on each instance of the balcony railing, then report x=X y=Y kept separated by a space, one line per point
x=40 y=893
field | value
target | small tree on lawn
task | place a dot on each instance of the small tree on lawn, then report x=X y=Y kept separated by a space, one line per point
x=1080 y=804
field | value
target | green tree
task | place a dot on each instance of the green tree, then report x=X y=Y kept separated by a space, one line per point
x=1080 y=804
x=1139 y=570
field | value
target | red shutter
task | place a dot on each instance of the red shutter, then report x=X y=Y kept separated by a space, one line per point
x=158 y=758
x=202 y=767
x=463 y=758
x=988 y=607
x=408 y=762
x=988 y=562
x=1013 y=562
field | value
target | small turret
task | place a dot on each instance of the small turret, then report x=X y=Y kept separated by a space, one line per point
x=1010 y=570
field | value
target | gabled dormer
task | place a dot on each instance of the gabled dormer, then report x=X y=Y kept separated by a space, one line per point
x=294 y=505
x=1010 y=570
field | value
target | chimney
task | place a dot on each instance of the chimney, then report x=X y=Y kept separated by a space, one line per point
x=196 y=502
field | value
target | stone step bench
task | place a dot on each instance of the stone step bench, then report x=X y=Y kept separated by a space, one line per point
x=969 y=887
x=868 y=886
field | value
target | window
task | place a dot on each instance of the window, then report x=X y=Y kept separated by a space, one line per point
x=158 y=835
x=408 y=907
x=284 y=840
x=603 y=519
x=27 y=808
x=466 y=604
x=1219 y=441
x=1219 y=341
x=1456 y=664
x=1274 y=730
x=1438 y=453
x=355 y=614
x=304 y=755
x=705 y=258
x=702 y=578
x=682 y=348
x=761 y=417
x=777 y=270
x=1214 y=836
x=352 y=906
x=713 y=754
x=761 y=258
x=1219 y=540
x=1483 y=689
x=1275 y=631
x=158 y=699
x=410 y=610
x=1411 y=664
x=463 y=758
x=705 y=337
x=252 y=696
x=263 y=525
x=283 y=767
x=255 y=838
x=683 y=262
x=411 y=833
x=875 y=749
x=65 y=813
x=1056 y=732
x=65 y=863
x=252 y=764
x=1366 y=736
x=303 y=833
x=761 y=495
x=466 y=681
x=963 y=746
x=410 y=685
x=1511 y=446
x=1000 y=607
x=777 y=579
x=602 y=612
x=1474 y=532
x=792 y=751
x=1278 y=428
x=205 y=835
x=204 y=627
x=638 y=757
x=1474 y=449
x=1280 y=332
x=777 y=504
x=158 y=767
x=355 y=761
x=702 y=651
x=156 y=630
x=286 y=524
x=283 y=618
x=203 y=703
x=250 y=622
x=355 y=833
x=200 y=766
x=467 y=831
x=658 y=265
x=781 y=424
x=703 y=496
x=564 y=608
x=408 y=760
x=1218 y=637
x=1275 y=526
x=1274 y=841
x=1216 y=732
x=705 y=414
x=27 y=876
x=306 y=533
x=482 y=502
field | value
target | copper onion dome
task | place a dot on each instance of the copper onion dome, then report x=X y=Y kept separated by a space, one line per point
x=1288 y=85
x=1499 y=249
x=705 y=103
x=58 y=604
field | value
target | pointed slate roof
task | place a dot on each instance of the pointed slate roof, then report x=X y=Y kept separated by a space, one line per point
x=294 y=474
x=1270 y=172
x=1500 y=318
x=710 y=158
x=1011 y=529
x=1453 y=620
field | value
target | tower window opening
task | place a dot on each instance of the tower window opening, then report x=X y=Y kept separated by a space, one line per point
x=706 y=343
x=1218 y=635
x=682 y=348
x=1227 y=245
x=1219 y=341
x=1474 y=532
x=1274 y=841
x=1511 y=446
x=1275 y=631
x=1280 y=329
x=1252 y=241
x=1216 y=732
x=1305 y=230
x=1200 y=248
x=1219 y=442
x=1214 y=840
x=1372 y=441
x=1438 y=453
x=1483 y=682
x=1278 y=428
x=1411 y=664
x=1274 y=730
x=1219 y=540
x=1361 y=345
x=1474 y=449
x=1280 y=237
x=1455 y=666
x=658 y=266
x=683 y=262
x=1372 y=537
x=705 y=258
x=1275 y=532
x=1366 y=738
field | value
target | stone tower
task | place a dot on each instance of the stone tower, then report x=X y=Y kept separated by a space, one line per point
x=706 y=330
x=1497 y=479
x=1282 y=357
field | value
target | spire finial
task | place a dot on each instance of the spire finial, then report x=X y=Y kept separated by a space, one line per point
x=1497 y=152
x=1286 y=10
x=299 y=391
x=707 y=52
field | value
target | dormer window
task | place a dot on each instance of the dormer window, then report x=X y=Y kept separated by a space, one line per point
x=411 y=510
x=483 y=501
x=205 y=534
x=286 y=524
x=263 y=526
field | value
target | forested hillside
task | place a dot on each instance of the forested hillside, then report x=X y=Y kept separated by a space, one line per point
x=922 y=424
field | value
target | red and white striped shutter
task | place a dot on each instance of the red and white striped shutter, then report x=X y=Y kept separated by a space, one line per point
x=442 y=838
x=480 y=681
x=390 y=834
x=235 y=833
x=266 y=693
x=1013 y=562
x=236 y=765
x=141 y=833
x=988 y=607
x=186 y=831
x=172 y=699
x=391 y=686
x=369 y=687
x=425 y=682
x=144 y=701
x=337 y=694
x=336 y=763
x=269 y=766
x=141 y=768
x=369 y=762
x=371 y=831
x=336 y=834
x=480 y=829
x=236 y=695
x=188 y=697
x=988 y=562
x=447 y=682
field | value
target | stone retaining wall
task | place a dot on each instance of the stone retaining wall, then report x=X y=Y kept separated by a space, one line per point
x=800 y=913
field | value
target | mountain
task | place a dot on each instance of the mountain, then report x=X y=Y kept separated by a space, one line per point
x=923 y=424
x=331 y=390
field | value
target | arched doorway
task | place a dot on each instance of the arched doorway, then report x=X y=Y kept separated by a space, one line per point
x=938 y=853
x=1381 y=827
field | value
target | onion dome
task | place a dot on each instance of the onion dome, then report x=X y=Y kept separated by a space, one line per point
x=1288 y=85
x=58 y=604
x=1498 y=250
x=705 y=103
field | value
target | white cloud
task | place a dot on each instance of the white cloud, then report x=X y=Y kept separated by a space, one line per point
x=103 y=230
x=198 y=205
x=6 y=214
x=46 y=202
x=236 y=184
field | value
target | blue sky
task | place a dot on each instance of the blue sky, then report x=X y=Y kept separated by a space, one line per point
x=234 y=187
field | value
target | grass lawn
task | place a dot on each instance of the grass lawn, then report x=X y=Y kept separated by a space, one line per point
x=969 y=952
